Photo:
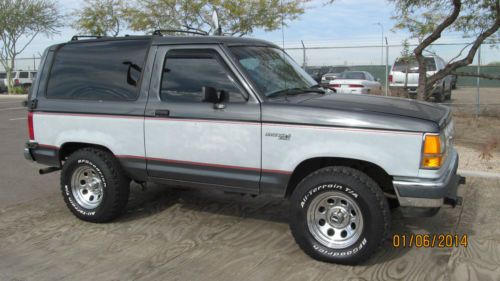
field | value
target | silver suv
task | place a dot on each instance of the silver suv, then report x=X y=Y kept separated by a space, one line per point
x=236 y=115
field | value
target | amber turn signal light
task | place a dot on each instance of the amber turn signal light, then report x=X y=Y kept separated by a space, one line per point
x=432 y=144
x=432 y=154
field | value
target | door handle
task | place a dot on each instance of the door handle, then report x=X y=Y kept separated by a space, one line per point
x=162 y=113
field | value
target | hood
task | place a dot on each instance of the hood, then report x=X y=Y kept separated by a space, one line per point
x=384 y=105
x=359 y=111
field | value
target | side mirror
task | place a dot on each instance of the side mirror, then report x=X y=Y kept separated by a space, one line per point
x=223 y=99
x=210 y=94
x=217 y=98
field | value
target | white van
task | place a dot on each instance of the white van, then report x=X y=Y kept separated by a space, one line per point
x=405 y=75
x=20 y=78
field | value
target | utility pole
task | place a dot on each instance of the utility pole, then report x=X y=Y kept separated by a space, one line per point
x=478 y=80
x=382 y=46
x=304 y=60
x=282 y=26
x=386 y=67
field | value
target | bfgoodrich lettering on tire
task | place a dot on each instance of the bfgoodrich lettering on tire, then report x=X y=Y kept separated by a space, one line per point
x=340 y=215
x=93 y=185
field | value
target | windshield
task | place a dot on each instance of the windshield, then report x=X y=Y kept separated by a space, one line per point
x=400 y=65
x=352 y=75
x=271 y=70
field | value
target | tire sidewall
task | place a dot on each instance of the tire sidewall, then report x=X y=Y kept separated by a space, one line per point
x=373 y=218
x=69 y=168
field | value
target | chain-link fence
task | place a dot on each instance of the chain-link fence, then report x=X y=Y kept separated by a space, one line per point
x=25 y=64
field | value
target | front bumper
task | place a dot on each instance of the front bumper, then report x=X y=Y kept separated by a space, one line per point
x=431 y=193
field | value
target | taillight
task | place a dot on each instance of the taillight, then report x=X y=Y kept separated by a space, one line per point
x=356 y=86
x=31 y=130
x=16 y=82
x=390 y=78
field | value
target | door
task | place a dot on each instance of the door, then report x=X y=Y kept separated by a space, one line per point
x=191 y=139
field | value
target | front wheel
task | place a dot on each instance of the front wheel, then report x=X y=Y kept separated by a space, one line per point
x=339 y=215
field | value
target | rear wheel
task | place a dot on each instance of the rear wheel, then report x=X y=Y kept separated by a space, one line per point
x=340 y=215
x=448 y=93
x=440 y=97
x=93 y=185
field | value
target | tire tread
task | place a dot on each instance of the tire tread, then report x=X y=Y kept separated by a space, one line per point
x=374 y=189
x=117 y=179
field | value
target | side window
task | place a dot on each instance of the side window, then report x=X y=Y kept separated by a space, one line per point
x=24 y=74
x=33 y=75
x=102 y=70
x=186 y=72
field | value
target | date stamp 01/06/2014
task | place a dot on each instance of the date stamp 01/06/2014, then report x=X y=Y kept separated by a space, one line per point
x=440 y=240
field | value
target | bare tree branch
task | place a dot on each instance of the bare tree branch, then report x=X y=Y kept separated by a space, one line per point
x=460 y=53
x=472 y=52
x=435 y=35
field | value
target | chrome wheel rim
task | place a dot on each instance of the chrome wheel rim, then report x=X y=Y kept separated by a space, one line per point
x=335 y=220
x=87 y=187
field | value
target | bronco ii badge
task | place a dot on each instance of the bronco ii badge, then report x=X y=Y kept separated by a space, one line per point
x=279 y=136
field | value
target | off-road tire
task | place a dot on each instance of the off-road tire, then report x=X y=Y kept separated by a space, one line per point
x=448 y=93
x=441 y=96
x=116 y=186
x=359 y=188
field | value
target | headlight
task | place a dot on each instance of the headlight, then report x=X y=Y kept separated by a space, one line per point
x=433 y=151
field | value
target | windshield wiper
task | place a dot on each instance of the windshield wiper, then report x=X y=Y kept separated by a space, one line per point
x=297 y=91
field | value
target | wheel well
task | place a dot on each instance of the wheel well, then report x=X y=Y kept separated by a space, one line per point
x=68 y=148
x=375 y=172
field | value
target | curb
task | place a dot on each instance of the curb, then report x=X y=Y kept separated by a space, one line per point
x=479 y=174
x=2 y=96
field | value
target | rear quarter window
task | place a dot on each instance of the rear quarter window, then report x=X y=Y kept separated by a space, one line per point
x=106 y=70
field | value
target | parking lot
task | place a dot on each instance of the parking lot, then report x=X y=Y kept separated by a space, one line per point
x=171 y=234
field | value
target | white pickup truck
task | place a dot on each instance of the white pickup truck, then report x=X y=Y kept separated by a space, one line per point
x=405 y=75
x=237 y=115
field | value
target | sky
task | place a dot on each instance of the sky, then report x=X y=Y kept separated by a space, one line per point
x=345 y=23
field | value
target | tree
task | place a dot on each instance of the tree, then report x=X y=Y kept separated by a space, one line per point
x=23 y=19
x=426 y=20
x=100 y=17
x=236 y=17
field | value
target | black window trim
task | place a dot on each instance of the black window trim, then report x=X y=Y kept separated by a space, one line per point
x=139 y=82
x=209 y=53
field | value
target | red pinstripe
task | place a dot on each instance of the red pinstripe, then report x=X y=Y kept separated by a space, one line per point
x=204 y=164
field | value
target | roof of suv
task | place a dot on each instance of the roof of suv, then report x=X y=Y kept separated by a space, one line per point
x=163 y=40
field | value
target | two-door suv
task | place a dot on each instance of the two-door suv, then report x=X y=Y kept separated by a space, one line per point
x=237 y=115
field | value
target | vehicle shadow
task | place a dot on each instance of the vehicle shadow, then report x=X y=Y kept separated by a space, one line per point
x=159 y=198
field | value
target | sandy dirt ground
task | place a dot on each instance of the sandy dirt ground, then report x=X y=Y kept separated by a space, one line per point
x=169 y=234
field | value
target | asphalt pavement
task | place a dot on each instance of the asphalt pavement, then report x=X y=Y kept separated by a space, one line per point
x=19 y=178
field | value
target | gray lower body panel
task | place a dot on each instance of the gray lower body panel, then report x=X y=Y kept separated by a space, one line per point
x=430 y=193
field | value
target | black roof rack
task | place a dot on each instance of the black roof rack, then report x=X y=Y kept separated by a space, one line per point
x=159 y=32
x=77 y=37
